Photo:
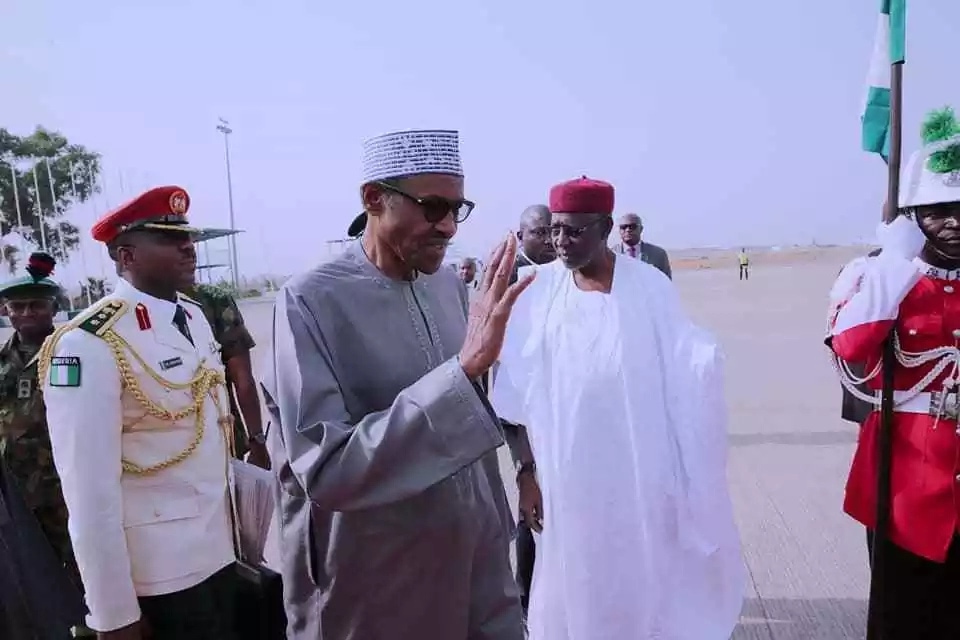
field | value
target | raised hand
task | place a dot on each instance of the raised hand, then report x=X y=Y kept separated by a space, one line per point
x=490 y=310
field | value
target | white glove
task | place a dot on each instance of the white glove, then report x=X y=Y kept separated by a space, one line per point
x=848 y=281
x=901 y=238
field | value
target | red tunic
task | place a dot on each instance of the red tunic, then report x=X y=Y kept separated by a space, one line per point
x=925 y=304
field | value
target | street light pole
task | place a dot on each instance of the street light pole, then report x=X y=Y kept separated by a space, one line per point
x=224 y=128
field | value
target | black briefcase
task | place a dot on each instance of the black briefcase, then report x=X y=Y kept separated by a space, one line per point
x=260 y=614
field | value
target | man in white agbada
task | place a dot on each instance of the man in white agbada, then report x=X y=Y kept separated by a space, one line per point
x=623 y=402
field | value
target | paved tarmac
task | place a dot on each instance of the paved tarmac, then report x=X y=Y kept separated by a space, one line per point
x=789 y=450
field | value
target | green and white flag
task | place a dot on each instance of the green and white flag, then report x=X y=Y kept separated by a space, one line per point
x=65 y=372
x=888 y=49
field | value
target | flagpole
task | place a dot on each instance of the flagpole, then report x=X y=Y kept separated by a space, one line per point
x=53 y=204
x=83 y=255
x=877 y=609
x=896 y=136
x=39 y=203
x=16 y=202
x=93 y=185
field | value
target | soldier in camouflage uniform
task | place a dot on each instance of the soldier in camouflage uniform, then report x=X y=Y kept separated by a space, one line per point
x=236 y=343
x=31 y=302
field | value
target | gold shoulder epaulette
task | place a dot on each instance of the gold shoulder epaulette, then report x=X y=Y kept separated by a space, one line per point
x=103 y=316
x=96 y=320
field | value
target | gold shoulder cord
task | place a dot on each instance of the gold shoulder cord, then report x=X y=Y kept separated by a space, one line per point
x=205 y=382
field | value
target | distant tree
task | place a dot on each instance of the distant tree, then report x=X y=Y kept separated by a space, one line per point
x=222 y=287
x=22 y=155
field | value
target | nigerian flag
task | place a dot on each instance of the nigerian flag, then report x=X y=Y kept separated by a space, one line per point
x=888 y=49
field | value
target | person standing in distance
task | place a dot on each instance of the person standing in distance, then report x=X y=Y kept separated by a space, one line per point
x=632 y=244
x=744 y=261
x=468 y=272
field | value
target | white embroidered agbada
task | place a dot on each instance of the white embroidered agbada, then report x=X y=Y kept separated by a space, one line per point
x=623 y=401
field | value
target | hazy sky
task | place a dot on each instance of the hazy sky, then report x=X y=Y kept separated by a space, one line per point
x=720 y=122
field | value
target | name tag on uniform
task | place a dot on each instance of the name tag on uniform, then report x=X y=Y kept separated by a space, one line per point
x=171 y=363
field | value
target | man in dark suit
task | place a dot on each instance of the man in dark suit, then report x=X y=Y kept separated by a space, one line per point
x=632 y=244
x=533 y=235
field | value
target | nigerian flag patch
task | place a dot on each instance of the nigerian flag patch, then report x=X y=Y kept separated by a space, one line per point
x=65 y=372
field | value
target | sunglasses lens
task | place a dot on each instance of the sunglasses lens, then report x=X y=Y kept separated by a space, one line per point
x=463 y=211
x=436 y=209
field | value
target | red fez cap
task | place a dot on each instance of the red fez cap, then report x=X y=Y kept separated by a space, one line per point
x=582 y=195
x=162 y=208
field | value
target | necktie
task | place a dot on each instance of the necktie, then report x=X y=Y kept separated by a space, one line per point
x=180 y=322
x=632 y=251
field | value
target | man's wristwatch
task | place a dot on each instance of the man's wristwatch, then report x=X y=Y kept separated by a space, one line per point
x=525 y=467
x=257 y=438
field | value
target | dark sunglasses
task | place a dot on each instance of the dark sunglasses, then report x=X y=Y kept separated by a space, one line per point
x=628 y=227
x=435 y=208
x=572 y=232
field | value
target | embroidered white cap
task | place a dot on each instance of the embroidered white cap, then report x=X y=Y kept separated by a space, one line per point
x=411 y=152
x=921 y=186
x=933 y=173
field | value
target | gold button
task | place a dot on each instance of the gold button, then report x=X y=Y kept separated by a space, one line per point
x=912 y=332
x=956 y=334
x=948 y=289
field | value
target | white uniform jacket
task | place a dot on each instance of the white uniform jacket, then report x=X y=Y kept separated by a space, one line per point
x=137 y=534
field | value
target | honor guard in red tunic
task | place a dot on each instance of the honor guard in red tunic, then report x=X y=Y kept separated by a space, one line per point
x=140 y=427
x=912 y=288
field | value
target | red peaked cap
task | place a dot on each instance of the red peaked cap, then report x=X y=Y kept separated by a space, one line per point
x=162 y=208
x=582 y=195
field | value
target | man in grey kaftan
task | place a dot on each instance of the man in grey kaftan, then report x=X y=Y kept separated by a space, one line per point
x=394 y=521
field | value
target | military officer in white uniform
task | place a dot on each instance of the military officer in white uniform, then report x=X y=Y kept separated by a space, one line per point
x=138 y=415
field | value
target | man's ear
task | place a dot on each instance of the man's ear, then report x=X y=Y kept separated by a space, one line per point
x=519 y=236
x=373 y=198
x=124 y=256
